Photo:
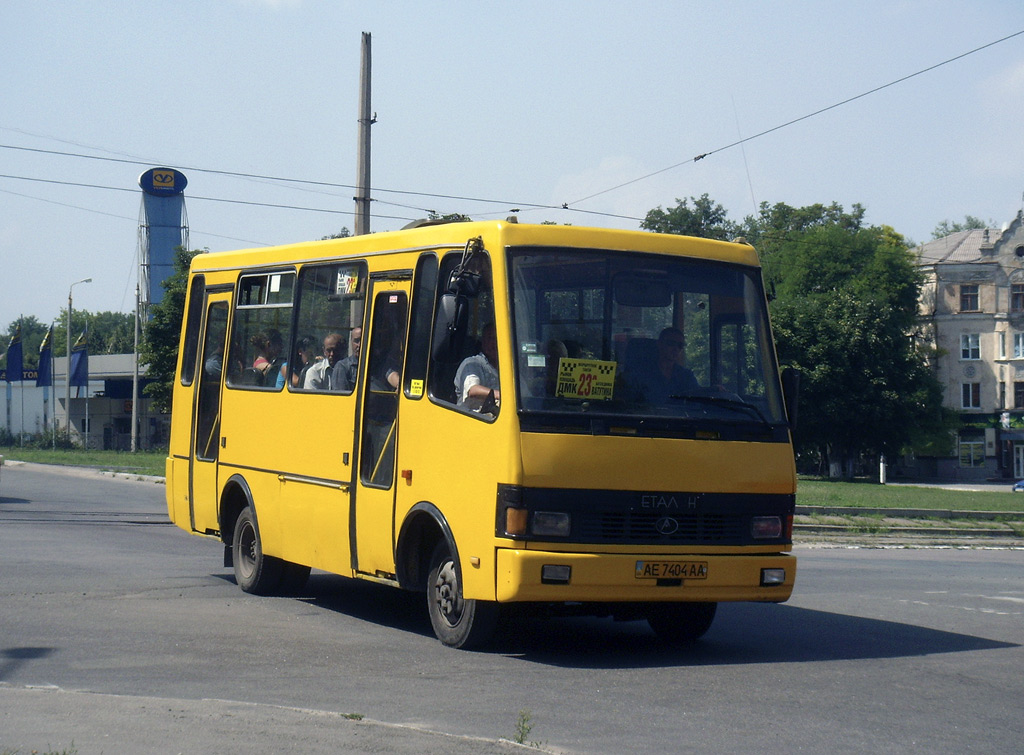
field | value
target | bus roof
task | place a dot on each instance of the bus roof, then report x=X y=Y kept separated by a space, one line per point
x=454 y=235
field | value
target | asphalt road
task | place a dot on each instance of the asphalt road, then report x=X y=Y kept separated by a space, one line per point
x=121 y=633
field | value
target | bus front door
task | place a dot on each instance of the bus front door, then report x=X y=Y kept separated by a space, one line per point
x=373 y=523
x=205 y=442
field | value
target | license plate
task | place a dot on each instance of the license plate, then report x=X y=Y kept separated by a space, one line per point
x=671 y=569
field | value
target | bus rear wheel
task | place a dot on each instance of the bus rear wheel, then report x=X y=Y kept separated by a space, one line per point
x=457 y=622
x=680 y=623
x=255 y=572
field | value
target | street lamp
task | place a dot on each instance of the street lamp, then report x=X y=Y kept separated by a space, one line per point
x=67 y=369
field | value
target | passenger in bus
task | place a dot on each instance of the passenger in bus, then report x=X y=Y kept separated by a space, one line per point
x=667 y=377
x=343 y=374
x=268 y=359
x=318 y=377
x=303 y=357
x=476 y=380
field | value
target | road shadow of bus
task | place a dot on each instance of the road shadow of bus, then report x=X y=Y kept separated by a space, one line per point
x=742 y=632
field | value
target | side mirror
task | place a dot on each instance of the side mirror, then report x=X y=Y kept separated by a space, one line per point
x=449 y=326
x=791 y=393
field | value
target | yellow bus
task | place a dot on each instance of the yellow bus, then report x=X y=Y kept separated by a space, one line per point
x=493 y=414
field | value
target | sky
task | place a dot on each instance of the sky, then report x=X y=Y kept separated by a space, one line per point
x=483 y=108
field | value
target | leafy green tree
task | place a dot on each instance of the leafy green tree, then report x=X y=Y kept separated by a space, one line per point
x=159 y=350
x=846 y=316
x=344 y=233
x=844 y=312
x=945 y=228
x=706 y=218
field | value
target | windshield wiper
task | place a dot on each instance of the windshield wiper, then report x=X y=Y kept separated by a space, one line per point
x=730 y=403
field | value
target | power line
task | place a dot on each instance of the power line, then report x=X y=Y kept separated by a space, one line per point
x=196 y=197
x=801 y=118
x=280 y=179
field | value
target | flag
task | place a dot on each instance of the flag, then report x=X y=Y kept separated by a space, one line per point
x=79 y=371
x=44 y=377
x=15 y=364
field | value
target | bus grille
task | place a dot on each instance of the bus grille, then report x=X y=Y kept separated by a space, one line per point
x=645 y=528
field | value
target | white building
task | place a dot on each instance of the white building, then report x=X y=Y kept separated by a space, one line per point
x=100 y=415
x=973 y=305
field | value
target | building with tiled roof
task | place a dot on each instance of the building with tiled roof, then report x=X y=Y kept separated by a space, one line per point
x=972 y=305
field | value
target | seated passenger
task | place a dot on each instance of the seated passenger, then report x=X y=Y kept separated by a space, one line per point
x=667 y=377
x=318 y=377
x=476 y=380
x=343 y=374
x=268 y=359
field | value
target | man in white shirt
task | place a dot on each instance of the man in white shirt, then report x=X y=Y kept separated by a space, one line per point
x=318 y=377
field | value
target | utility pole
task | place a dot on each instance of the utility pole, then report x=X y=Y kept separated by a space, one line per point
x=362 y=198
x=135 y=373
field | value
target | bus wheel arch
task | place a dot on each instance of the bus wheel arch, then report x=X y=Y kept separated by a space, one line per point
x=423 y=528
x=235 y=497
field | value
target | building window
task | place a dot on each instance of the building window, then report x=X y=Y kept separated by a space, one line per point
x=1002 y=345
x=1017 y=297
x=970 y=395
x=1018 y=395
x=969 y=298
x=972 y=453
x=970 y=346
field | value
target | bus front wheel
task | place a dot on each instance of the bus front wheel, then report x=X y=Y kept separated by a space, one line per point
x=255 y=572
x=457 y=622
x=680 y=623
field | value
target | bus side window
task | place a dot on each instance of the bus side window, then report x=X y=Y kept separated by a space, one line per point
x=468 y=344
x=192 y=322
x=330 y=306
x=260 y=335
x=420 y=328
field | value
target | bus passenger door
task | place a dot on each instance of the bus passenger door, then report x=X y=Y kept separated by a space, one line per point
x=205 y=444
x=373 y=520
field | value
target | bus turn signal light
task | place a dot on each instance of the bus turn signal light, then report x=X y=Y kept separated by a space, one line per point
x=515 y=521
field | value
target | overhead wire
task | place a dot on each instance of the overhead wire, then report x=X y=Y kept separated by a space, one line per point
x=567 y=206
x=773 y=129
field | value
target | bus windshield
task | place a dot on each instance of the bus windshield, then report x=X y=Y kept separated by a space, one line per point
x=632 y=342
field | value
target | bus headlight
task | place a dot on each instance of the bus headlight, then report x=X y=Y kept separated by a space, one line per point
x=765 y=527
x=550 y=524
x=773 y=577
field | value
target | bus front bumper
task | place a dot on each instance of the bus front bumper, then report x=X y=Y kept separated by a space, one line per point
x=529 y=575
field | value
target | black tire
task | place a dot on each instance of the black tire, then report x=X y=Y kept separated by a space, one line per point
x=680 y=623
x=458 y=623
x=255 y=572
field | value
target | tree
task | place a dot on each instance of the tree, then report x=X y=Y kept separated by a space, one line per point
x=706 y=219
x=344 y=233
x=945 y=228
x=846 y=315
x=159 y=350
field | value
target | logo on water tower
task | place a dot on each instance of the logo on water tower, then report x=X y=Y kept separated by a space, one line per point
x=163 y=182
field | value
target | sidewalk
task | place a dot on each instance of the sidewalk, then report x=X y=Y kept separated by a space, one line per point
x=51 y=720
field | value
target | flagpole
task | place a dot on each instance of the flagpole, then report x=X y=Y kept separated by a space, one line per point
x=67 y=387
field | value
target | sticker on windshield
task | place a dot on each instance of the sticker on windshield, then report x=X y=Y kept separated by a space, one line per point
x=585 y=378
